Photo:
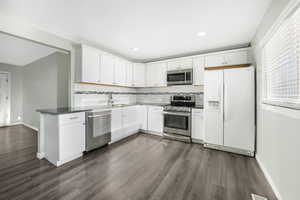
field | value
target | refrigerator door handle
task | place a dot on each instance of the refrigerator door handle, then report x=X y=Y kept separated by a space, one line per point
x=225 y=104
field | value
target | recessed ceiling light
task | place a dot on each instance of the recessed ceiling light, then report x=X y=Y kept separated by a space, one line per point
x=201 y=34
x=135 y=49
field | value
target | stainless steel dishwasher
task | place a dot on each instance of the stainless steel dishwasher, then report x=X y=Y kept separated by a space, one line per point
x=98 y=127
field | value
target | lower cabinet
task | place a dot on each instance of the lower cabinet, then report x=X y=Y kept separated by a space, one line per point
x=64 y=137
x=155 y=119
x=124 y=122
x=197 y=126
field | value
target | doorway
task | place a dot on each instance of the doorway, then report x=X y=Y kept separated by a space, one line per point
x=4 y=99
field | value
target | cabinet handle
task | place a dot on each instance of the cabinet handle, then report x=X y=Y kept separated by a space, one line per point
x=72 y=118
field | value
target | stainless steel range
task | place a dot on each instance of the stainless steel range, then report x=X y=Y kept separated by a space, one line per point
x=177 y=118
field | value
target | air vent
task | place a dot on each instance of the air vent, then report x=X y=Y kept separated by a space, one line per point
x=258 y=197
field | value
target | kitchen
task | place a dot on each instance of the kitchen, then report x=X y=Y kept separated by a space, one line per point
x=158 y=106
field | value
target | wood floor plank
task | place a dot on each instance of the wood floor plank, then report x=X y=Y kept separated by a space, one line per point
x=141 y=167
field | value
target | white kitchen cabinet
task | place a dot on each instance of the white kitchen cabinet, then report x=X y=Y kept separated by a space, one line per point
x=120 y=72
x=129 y=74
x=198 y=71
x=130 y=116
x=228 y=58
x=87 y=64
x=139 y=75
x=155 y=119
x=143 y=117
x=116 y=119
x=156 y=74
x=197 y=125
x=64 y=136
x=181 y=63
x=107 y=69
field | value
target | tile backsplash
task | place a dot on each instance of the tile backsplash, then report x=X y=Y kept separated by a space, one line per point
x=90 y=95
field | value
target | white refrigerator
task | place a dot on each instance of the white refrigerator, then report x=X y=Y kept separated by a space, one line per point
x=229 y=110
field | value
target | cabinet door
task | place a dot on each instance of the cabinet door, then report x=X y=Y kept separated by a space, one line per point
x=155 y=119
x=156 y=74
x=186 y=63
x=107 y=69
x=198 y=71
x=71 y=140
x=90 y=65
x=213 y=107
x=215 y=60
x=116 y=119
x=129 y=116
x=129 y=74
x=139 y=74
x=120 y=72
x=236 y=58
x=143 y=117
x=174 y=65
x=197 y=124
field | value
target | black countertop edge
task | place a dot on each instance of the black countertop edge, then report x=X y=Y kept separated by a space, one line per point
x=67 y=110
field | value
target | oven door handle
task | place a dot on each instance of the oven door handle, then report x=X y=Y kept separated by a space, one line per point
x=177 y=113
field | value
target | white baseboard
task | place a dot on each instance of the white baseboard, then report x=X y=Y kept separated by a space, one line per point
x=29 y=126
x=269 y=178
x=21 y=123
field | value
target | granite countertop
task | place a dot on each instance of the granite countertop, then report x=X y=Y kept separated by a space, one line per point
x=66 y=110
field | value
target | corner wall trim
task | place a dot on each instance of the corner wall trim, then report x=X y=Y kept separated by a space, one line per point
x=268 y=177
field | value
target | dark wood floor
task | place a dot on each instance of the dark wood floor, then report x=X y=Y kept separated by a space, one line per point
x=140 y=167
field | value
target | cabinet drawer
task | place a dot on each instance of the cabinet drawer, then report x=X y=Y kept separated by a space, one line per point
x=72 y=118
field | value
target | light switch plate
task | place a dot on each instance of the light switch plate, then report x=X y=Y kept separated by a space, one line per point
x=258 y=197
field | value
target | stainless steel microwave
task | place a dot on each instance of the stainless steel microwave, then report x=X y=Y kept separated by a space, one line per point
x=180 y=77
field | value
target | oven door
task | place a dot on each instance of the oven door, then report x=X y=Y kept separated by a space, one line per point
x=177 y=123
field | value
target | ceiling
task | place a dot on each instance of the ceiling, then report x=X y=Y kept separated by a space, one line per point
x=20 y=52
x=158 y=28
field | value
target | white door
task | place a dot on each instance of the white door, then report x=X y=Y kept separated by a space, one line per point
x=143 y=117
x=239 y=124
x=213 y=107
x=4 y=99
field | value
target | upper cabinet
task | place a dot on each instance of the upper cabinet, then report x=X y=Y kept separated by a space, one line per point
x=95 y=66
x=227 y=58
x=88 y=65
x=120 y=72
x=198 y=71
x=139 y=75
x=177 y=64
x=107 y=69
x=156 y=74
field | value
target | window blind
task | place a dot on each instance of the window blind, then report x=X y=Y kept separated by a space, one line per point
x=281 y=61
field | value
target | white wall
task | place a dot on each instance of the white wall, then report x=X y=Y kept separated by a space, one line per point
x=278 y=131
x=16 y=90
x=45 y=85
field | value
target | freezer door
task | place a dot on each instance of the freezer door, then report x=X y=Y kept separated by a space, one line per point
x=213 y=107
x=239 y=108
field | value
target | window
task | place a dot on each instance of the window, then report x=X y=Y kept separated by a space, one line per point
x=281 y=61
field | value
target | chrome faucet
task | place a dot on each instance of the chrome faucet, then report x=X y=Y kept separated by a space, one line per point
x=110 y=100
